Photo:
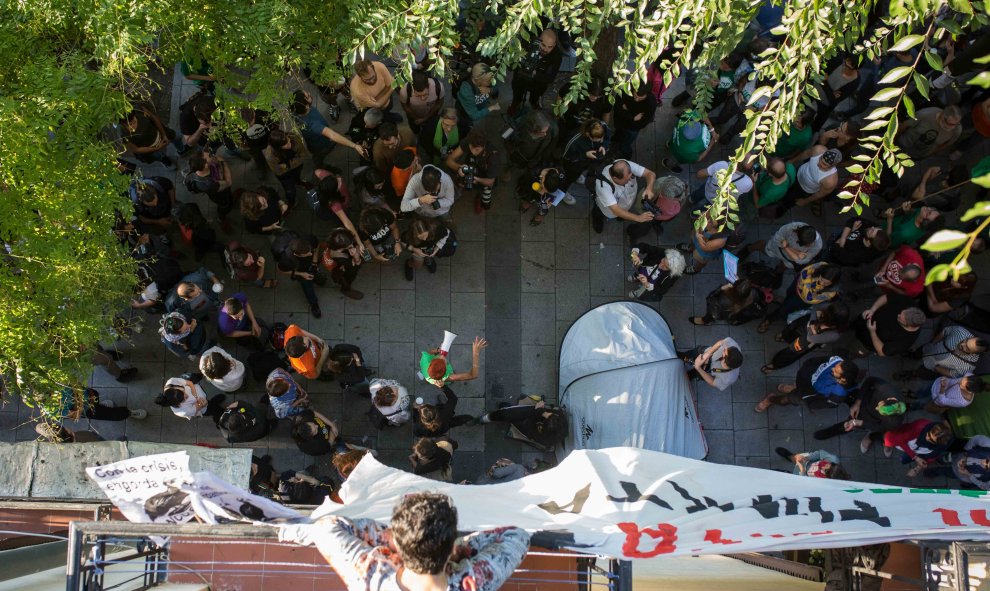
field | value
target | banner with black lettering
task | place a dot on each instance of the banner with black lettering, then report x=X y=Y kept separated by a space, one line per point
x=145 y=488
x=633 y=503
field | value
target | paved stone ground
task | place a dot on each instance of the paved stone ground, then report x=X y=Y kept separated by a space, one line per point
x=518 y=286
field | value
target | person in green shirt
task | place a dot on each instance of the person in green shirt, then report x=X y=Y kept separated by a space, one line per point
x=201 y=75
x=692 y=140
x=797 y=139
x=772 y=185
x=907 y=225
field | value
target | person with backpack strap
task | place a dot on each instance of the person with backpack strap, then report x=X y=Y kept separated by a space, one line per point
x=614 y=188
x=421 y=99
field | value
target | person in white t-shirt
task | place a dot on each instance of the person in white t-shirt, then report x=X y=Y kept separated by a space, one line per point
x=615 y=197
x=187 y=399
x=742 y=182
x=221 y=369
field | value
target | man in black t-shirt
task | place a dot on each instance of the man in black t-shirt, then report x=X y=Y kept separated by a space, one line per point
x=197 y=127
x=889 y=327
x=595 y=106
x=632 y=114
x=861 y=241
x=313 y=433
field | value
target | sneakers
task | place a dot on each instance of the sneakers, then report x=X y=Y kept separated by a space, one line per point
x=431 y=265
x=127 y=374
x=569 y=199
x=139 y=413
x=316 y=311
x=671 y=166
x=108 y=403
x=409 y=272
x=887 y=451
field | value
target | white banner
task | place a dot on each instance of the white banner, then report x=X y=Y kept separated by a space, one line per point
x=143 y=488
x=633 y=503
x=622 y=502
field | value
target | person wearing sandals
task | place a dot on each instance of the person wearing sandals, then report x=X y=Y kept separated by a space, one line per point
x=825 y=325
x=922 y=441
x=878 y=408
x=427 y=239
x=706 y=245
x=814 y=284
x=656 y=271
x=543 y=193
x=736 y=303
x=717 y=365
x=822 y=382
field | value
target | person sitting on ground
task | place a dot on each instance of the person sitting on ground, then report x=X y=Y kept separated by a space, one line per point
x=313 y=433
x=736 y=303
x=77 y=403
x=391 y=400
x=814 y=464
x=307 y=352
x=242 y=422
x=183 y=335
x=503 y=470
x=286 y=397
x=197 y=295
x=878 y=408
x=922 y=441
x=656 y=271
x=531 y=417
x=433 y=420
x=221 y=369
x=237 y=321
x=418 y=551
x=435 y=368
x=718 y=365
x=431 y=458
x=57 y=433
x=822 y=382
x=187 y=399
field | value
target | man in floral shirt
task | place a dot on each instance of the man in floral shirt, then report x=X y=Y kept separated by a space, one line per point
x=418 y=551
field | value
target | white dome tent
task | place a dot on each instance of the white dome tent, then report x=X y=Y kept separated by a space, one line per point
x=623 y=384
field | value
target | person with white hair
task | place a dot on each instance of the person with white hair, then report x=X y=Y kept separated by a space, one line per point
x=656 y=271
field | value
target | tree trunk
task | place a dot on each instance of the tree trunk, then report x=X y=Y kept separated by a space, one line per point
x=606 y=50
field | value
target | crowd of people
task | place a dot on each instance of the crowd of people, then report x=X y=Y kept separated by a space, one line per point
x=832 y=301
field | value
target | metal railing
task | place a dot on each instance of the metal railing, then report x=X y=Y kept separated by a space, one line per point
x=944 y=565
x=154 y=558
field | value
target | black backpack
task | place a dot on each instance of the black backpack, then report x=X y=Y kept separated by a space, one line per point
x=597 y=172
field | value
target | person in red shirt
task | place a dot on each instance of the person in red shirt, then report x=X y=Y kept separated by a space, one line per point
x=903 y=272
x=307 y=352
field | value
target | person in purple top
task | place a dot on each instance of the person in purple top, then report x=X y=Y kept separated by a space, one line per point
x=237 y=320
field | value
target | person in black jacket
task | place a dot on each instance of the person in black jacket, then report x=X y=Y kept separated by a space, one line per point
x=542 y=425
x=433 y=420
x=536 y=71
x=632 y=114
x=242 y=422
x=314 y=434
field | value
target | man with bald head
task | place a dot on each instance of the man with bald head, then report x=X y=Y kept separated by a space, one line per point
x=615 y=193
x=536 y=71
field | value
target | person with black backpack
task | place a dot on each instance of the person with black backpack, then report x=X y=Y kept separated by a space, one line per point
x=210 y=174
x=421 y=99
x=614 y=189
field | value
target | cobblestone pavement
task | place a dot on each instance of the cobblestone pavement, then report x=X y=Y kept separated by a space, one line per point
x=516 y=285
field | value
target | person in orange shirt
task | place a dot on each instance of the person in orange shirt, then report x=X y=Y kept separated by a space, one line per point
x=404 y=166
x=371 y=86
x=307 y=352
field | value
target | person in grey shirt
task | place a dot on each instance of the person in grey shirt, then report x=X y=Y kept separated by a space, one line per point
x=430 y=193
x=717 y=365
